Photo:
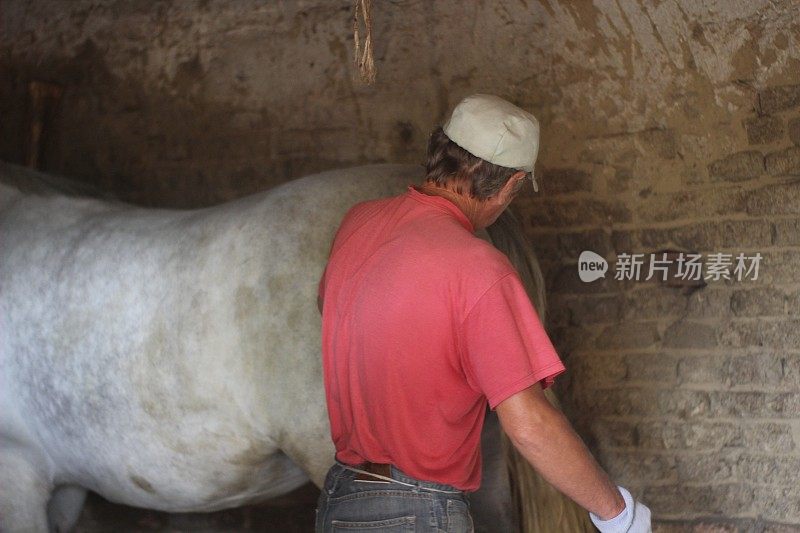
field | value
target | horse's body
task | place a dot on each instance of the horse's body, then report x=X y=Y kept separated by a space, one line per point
x=170 y=359
x=164 y=359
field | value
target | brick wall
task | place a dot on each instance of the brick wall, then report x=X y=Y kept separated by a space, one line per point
x=689 y=395
x=665 y=126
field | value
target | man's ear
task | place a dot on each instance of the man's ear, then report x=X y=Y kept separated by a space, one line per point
x=511 y=187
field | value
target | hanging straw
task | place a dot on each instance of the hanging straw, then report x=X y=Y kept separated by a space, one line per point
x=364 y=61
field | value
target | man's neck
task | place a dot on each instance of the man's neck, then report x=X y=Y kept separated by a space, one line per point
x=466 y=204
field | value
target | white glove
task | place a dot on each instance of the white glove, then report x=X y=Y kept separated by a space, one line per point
x=635 y=518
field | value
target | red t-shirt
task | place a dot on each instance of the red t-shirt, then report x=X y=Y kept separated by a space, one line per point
x=422 y=323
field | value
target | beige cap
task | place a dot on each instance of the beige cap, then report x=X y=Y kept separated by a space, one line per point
x=496 y=131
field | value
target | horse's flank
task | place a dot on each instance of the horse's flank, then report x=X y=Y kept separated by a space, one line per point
x=190 y=334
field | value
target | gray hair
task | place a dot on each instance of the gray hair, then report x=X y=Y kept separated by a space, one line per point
x=448 y=163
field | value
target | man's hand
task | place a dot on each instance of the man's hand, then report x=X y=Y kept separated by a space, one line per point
x=634 y=519
x=544 y=436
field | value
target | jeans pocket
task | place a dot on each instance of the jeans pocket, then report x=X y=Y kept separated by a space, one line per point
x=458 y=518
x=404 y=524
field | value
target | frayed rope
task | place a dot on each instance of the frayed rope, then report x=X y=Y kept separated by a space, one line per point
x=364 y=62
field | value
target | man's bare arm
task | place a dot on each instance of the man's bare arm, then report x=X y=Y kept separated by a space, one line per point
x=544 y=436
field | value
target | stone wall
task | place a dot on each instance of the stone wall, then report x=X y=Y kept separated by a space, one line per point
x=667 y=125
x=691 y=393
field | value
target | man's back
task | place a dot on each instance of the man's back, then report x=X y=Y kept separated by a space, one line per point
x=422 y=322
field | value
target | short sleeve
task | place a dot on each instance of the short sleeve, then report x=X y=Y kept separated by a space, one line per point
x=504 y=346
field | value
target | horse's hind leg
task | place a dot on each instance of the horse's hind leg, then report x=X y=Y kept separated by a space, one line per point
x=65 y=507
x=24 y=490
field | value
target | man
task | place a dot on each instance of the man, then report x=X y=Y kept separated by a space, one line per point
x=422 y=324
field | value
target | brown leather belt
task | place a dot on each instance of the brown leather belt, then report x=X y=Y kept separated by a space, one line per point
x=382 y=469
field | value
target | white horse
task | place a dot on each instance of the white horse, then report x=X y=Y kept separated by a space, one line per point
x=165 y=359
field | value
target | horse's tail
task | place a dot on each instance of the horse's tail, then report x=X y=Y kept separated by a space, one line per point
x=540 y=507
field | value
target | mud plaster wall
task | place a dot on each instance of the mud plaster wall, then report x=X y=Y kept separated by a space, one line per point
x=668 y=124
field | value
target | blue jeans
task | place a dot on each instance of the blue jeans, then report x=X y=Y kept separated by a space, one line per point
x=372 y=506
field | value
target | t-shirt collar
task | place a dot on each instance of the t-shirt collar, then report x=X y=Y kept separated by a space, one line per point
x=441 y=203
